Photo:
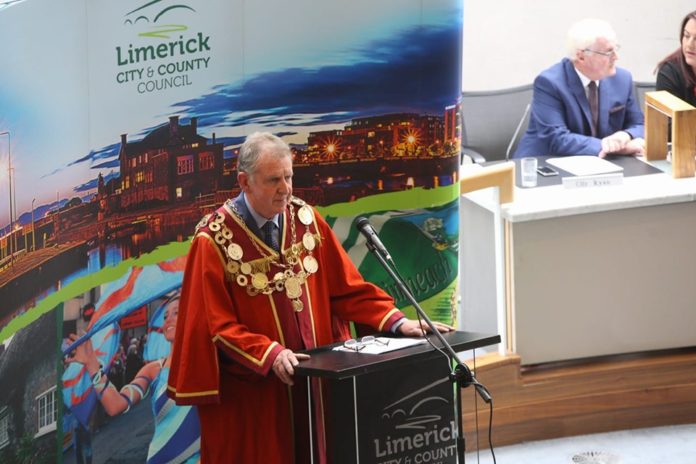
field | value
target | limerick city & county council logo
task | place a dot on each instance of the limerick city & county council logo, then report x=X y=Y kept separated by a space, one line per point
x=413 y=410
x=152 y=14
x=169 y=62
x=414 y=428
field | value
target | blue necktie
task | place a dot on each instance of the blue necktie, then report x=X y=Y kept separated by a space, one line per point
x=268 y=235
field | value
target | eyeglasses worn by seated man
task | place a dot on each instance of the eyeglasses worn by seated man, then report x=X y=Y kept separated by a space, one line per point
x=610 y=53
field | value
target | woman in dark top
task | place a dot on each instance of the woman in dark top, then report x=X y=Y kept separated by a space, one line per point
x=677 y=71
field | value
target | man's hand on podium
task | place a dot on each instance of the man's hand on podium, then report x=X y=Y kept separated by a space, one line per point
x=284 y=364
x=412 y=328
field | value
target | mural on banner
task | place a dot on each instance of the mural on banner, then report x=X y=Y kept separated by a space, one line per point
x=121 y=131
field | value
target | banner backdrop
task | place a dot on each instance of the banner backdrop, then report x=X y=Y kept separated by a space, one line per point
x=120 y=124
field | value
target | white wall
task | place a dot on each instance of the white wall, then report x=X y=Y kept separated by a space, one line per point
x=508 y=42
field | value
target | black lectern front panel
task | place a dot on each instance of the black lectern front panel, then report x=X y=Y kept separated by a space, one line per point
x=412 y=422
x=399 y=415
x=396 y=407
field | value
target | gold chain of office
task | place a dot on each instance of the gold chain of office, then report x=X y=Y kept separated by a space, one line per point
x=253 y=275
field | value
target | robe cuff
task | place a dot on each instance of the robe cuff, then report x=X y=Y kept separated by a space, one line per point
x=258 y=365
x=390 y=319
x=193 y=398
x=271 y=357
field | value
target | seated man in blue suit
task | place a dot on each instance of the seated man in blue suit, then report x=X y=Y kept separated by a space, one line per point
x=562 y=122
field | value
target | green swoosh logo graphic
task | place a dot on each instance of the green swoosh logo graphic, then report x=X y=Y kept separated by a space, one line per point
x=163 y=31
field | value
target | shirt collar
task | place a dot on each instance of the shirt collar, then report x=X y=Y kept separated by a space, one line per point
x=584 y=79
x=258 y=219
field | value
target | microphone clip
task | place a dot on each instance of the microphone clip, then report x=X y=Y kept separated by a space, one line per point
x=462 y=375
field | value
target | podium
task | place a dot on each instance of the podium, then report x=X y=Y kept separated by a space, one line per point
x=394 y=407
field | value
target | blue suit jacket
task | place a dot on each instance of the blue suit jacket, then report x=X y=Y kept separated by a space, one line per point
x=559 y=123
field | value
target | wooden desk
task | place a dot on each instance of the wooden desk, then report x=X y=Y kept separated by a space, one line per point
x=582 y=273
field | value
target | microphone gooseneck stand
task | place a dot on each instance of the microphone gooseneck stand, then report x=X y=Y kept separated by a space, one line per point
x=461 y=374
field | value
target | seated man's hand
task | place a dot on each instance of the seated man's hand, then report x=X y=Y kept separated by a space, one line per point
x=411 y=328
x=614 y=143
x=636 y=147
x=620 y=143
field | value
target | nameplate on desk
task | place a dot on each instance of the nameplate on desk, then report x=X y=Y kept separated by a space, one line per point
x=603 y=180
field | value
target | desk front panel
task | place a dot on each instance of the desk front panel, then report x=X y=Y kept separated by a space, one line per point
x=604 y=283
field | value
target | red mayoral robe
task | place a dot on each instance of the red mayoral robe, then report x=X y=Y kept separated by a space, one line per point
x=241 y=304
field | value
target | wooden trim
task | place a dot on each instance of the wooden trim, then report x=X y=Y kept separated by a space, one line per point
x=566 y=399
x=660 y=107
x=497 y=175
x=667 y=103
x=509 y=286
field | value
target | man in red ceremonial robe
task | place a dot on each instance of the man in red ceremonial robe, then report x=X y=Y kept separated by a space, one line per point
x=265 y=278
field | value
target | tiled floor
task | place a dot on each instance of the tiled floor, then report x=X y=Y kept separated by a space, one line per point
x=660 y=445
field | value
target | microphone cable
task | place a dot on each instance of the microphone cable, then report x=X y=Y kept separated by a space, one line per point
x=490 y=420
x=454 y=375
x=488 y=397
x=490 y=426
x=490 y=430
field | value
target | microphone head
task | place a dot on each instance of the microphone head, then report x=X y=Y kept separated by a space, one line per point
x=361 y=222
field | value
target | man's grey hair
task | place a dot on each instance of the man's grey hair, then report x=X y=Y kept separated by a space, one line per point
x=255 y=144
x=584 y=33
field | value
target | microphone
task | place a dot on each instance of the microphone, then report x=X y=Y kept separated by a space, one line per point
x=364 y=227
x=517 y=131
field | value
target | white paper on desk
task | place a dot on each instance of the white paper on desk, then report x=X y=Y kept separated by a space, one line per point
x=584 y=165
x=378 y=348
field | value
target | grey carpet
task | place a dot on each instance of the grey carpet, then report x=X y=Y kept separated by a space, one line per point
x=659 y=445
